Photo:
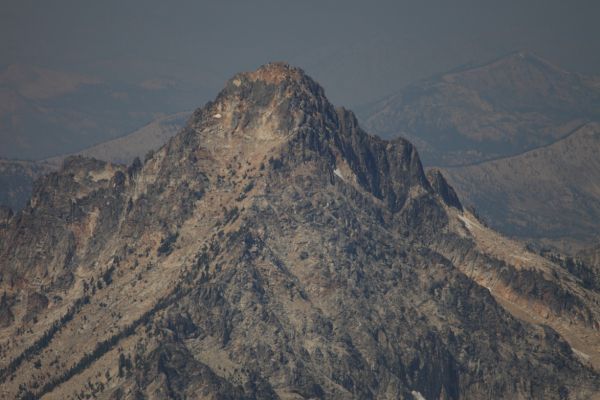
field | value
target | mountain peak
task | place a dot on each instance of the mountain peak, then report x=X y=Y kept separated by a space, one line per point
x=276 y=73
x=279 y=113
x=275 y=79
x=523 y=54
x=270 y=249
x=267 y=104
x=530 y=58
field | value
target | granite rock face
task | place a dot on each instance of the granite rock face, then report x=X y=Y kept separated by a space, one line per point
x=272 y=249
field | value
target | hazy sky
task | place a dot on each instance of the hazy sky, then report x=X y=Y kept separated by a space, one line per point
x=358 y=50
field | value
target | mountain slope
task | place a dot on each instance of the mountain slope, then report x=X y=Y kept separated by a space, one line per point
x=511 y=105
x=273 y=249
x=549 y=194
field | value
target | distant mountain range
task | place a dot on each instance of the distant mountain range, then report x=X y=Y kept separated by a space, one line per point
x=506 y=107
x=136 y=144
x=518 y=138
x=550 y=194
x=46 y=113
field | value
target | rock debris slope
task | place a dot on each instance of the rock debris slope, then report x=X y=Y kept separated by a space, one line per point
x=273 y=249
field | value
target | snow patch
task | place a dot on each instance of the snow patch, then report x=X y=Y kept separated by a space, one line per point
x=466 y=221
x=417 y=395
x=217 y=116
x=338 y=173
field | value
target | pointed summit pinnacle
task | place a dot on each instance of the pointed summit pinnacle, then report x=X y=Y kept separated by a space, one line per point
x=276 y=99
x=277 y=77
x=276 y=73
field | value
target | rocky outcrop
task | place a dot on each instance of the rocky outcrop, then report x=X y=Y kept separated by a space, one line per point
x=443 y=189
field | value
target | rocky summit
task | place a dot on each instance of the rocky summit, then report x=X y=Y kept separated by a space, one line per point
x=275 y=250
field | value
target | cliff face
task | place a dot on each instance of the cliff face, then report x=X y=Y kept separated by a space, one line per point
x=272 y=249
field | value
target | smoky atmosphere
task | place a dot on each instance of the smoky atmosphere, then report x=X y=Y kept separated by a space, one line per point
x=300 y=200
